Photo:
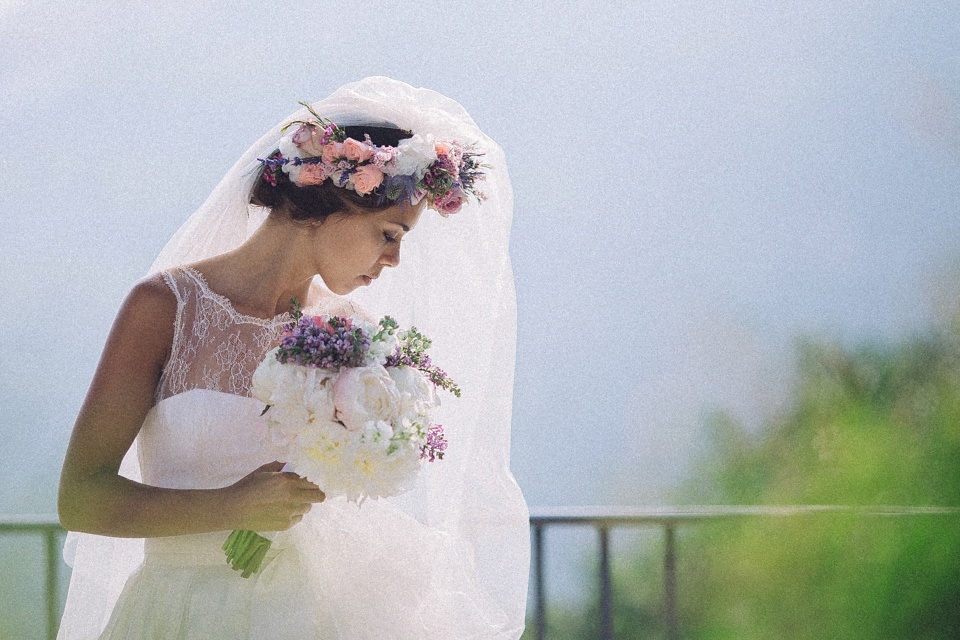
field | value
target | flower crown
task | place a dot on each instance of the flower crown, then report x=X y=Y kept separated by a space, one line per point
x=444 y=172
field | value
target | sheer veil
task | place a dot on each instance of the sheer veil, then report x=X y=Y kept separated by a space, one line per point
x=455 y=283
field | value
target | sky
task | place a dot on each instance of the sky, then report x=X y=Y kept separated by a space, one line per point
x=699 y=186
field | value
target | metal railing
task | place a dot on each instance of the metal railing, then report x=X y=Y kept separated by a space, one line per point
x=669 y=519
x=49 y=528
x=603 y=519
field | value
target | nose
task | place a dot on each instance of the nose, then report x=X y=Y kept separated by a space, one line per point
x=391 y=258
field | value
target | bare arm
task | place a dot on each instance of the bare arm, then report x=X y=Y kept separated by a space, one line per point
x=94 y=498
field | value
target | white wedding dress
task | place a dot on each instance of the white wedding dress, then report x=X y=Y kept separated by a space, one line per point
x=447 y=561
x=344 y=572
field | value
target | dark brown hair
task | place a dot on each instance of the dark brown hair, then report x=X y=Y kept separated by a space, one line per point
x=317 y=202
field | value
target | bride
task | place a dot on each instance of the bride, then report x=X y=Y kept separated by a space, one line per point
x=167 y=457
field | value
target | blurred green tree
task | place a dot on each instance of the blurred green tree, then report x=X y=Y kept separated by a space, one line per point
x=867 y=426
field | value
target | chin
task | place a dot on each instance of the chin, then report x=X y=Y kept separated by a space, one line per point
x=343 y=289
x=338 y=288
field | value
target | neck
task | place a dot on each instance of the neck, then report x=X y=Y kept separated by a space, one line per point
x=262 y=275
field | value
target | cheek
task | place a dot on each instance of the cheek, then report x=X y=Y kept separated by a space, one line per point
x=361 y=245
x=361 y=255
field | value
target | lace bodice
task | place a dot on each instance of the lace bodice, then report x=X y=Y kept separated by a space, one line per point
x=216 y=347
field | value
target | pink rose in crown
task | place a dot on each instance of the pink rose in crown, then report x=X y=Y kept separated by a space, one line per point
x=302 y=134
x=453 y=202
x=332 y=151
x=450 y=206
x=311 y=174
x=308 y=138
x=356 y=151
x=366 y=179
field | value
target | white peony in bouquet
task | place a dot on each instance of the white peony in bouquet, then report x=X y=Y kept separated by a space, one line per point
x=348 y=407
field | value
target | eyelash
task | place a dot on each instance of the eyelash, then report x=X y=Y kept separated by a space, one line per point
x=389 y=238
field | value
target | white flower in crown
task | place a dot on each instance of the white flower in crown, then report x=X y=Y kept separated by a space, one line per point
x=289 y=150
x=414 y=156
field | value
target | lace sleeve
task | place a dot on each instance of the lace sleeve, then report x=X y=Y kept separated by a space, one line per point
x=177 y=345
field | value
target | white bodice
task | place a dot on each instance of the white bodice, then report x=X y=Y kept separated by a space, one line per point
x=205 y=431
x=201 y=439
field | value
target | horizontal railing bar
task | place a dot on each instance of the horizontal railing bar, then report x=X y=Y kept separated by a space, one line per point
x=29 y=523
x=661 y=516
x=603 y=515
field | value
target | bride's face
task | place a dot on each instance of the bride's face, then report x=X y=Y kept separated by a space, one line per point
x=353 y=248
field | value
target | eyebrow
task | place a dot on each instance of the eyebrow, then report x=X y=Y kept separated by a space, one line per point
x=401 y=225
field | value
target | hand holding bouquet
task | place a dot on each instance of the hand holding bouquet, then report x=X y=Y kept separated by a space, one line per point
x=348 y=407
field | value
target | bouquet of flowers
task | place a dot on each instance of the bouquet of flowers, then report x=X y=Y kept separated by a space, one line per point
x=348 y=407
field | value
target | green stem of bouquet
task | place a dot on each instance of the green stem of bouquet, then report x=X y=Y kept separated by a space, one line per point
x=245 y=551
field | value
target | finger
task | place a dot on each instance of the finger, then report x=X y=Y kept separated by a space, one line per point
x=301 y=481
x=313 y=495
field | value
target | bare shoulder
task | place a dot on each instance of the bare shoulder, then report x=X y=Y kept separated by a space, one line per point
x=150 y=301
x=145 y=321
x=153 y=290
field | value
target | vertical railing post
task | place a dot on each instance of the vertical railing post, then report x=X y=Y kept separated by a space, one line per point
x=670 y=584
x=52 y=583
x=606 y=591
x=541 y=598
